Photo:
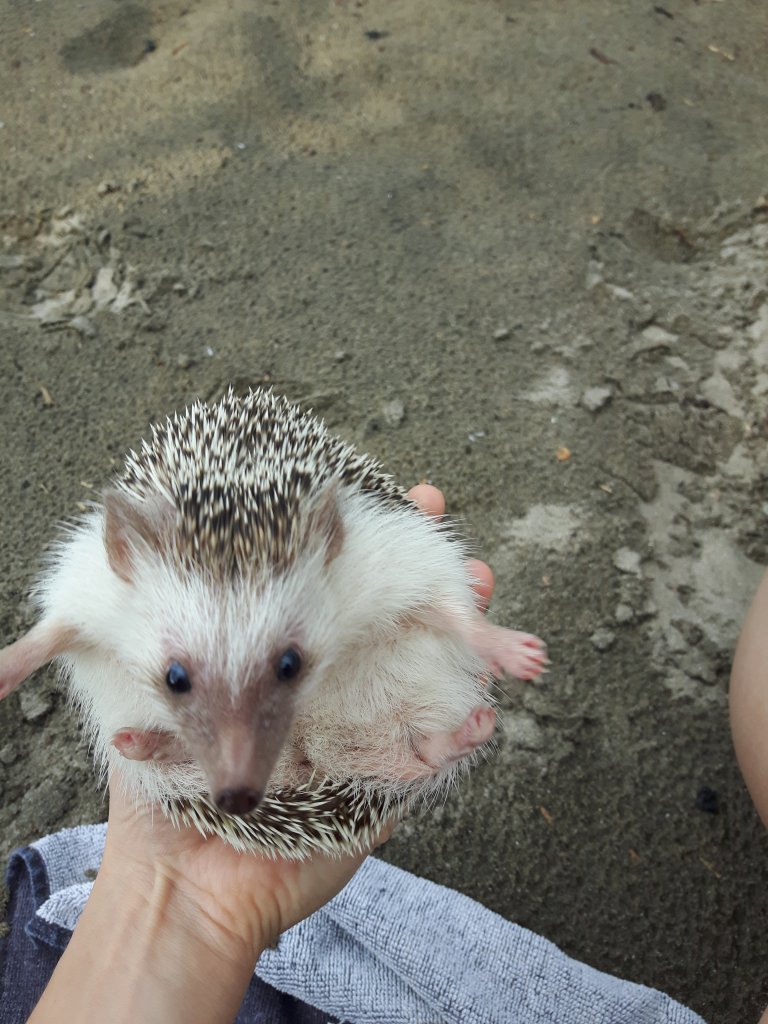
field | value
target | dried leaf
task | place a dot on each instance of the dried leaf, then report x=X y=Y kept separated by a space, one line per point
x=599 y=55
x=721 y=52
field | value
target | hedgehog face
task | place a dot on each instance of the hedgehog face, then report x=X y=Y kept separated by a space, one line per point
x=222 y=660
x=233 y=663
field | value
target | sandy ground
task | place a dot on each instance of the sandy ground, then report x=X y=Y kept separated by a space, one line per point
x=517 y=248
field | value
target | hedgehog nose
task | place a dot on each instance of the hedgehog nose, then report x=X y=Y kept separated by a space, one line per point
x=238 y=801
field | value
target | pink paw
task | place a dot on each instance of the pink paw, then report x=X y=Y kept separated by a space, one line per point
x=506 y=651
x=137 y=745
x=503 y=650
x=518 y=654
x=445 y=747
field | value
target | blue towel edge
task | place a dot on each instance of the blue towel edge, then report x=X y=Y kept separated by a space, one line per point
x=28 y=860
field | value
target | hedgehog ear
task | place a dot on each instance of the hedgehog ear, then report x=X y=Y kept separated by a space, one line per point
x=324 y=523
x=42 y=643
x=131 y=524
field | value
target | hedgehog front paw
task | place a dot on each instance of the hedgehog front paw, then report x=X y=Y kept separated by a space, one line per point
x=148 y=745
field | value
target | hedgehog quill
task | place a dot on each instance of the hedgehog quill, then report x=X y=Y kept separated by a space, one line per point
x=266 y=635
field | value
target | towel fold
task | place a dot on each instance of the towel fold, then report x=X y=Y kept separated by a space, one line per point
x=391 y=948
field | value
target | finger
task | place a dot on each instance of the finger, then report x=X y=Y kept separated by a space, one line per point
x=428 y=498
x=482 y=581
x=431 y=500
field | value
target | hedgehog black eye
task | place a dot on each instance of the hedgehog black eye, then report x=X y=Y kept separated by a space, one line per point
x=288 y=665
x=177 y=679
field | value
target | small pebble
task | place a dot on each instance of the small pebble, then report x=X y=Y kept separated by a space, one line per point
x=620 y=293
x=698 y=667
x=603 y=639
x=595 y=398
x=35 y=703
x=663 y=385
x=594 y=275
x=657 y=337
x=501 y=334
x=394 y=412
x=8 y=753
x=650 y=609
x=626 y=560
x=83 y=326
x=674 y=640
x=104 y=290
x=183 y=361
x=624 y=613
x=105 y=187
x=707 y=801
x=340 y=355
x=523 y=731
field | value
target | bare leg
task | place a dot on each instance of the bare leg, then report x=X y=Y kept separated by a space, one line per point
x=749 y=701
x=749 y=705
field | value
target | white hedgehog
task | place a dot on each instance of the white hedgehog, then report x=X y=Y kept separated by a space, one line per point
x=266 y=634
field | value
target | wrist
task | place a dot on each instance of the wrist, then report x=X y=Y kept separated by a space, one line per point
x=146 y=949
x=170 y=912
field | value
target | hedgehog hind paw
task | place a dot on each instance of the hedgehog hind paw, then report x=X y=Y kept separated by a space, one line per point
x=442 y=749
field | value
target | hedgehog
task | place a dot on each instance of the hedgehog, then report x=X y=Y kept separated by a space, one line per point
x=266 y=636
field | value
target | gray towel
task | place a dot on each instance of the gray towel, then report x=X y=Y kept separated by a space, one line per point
x=392 y=948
